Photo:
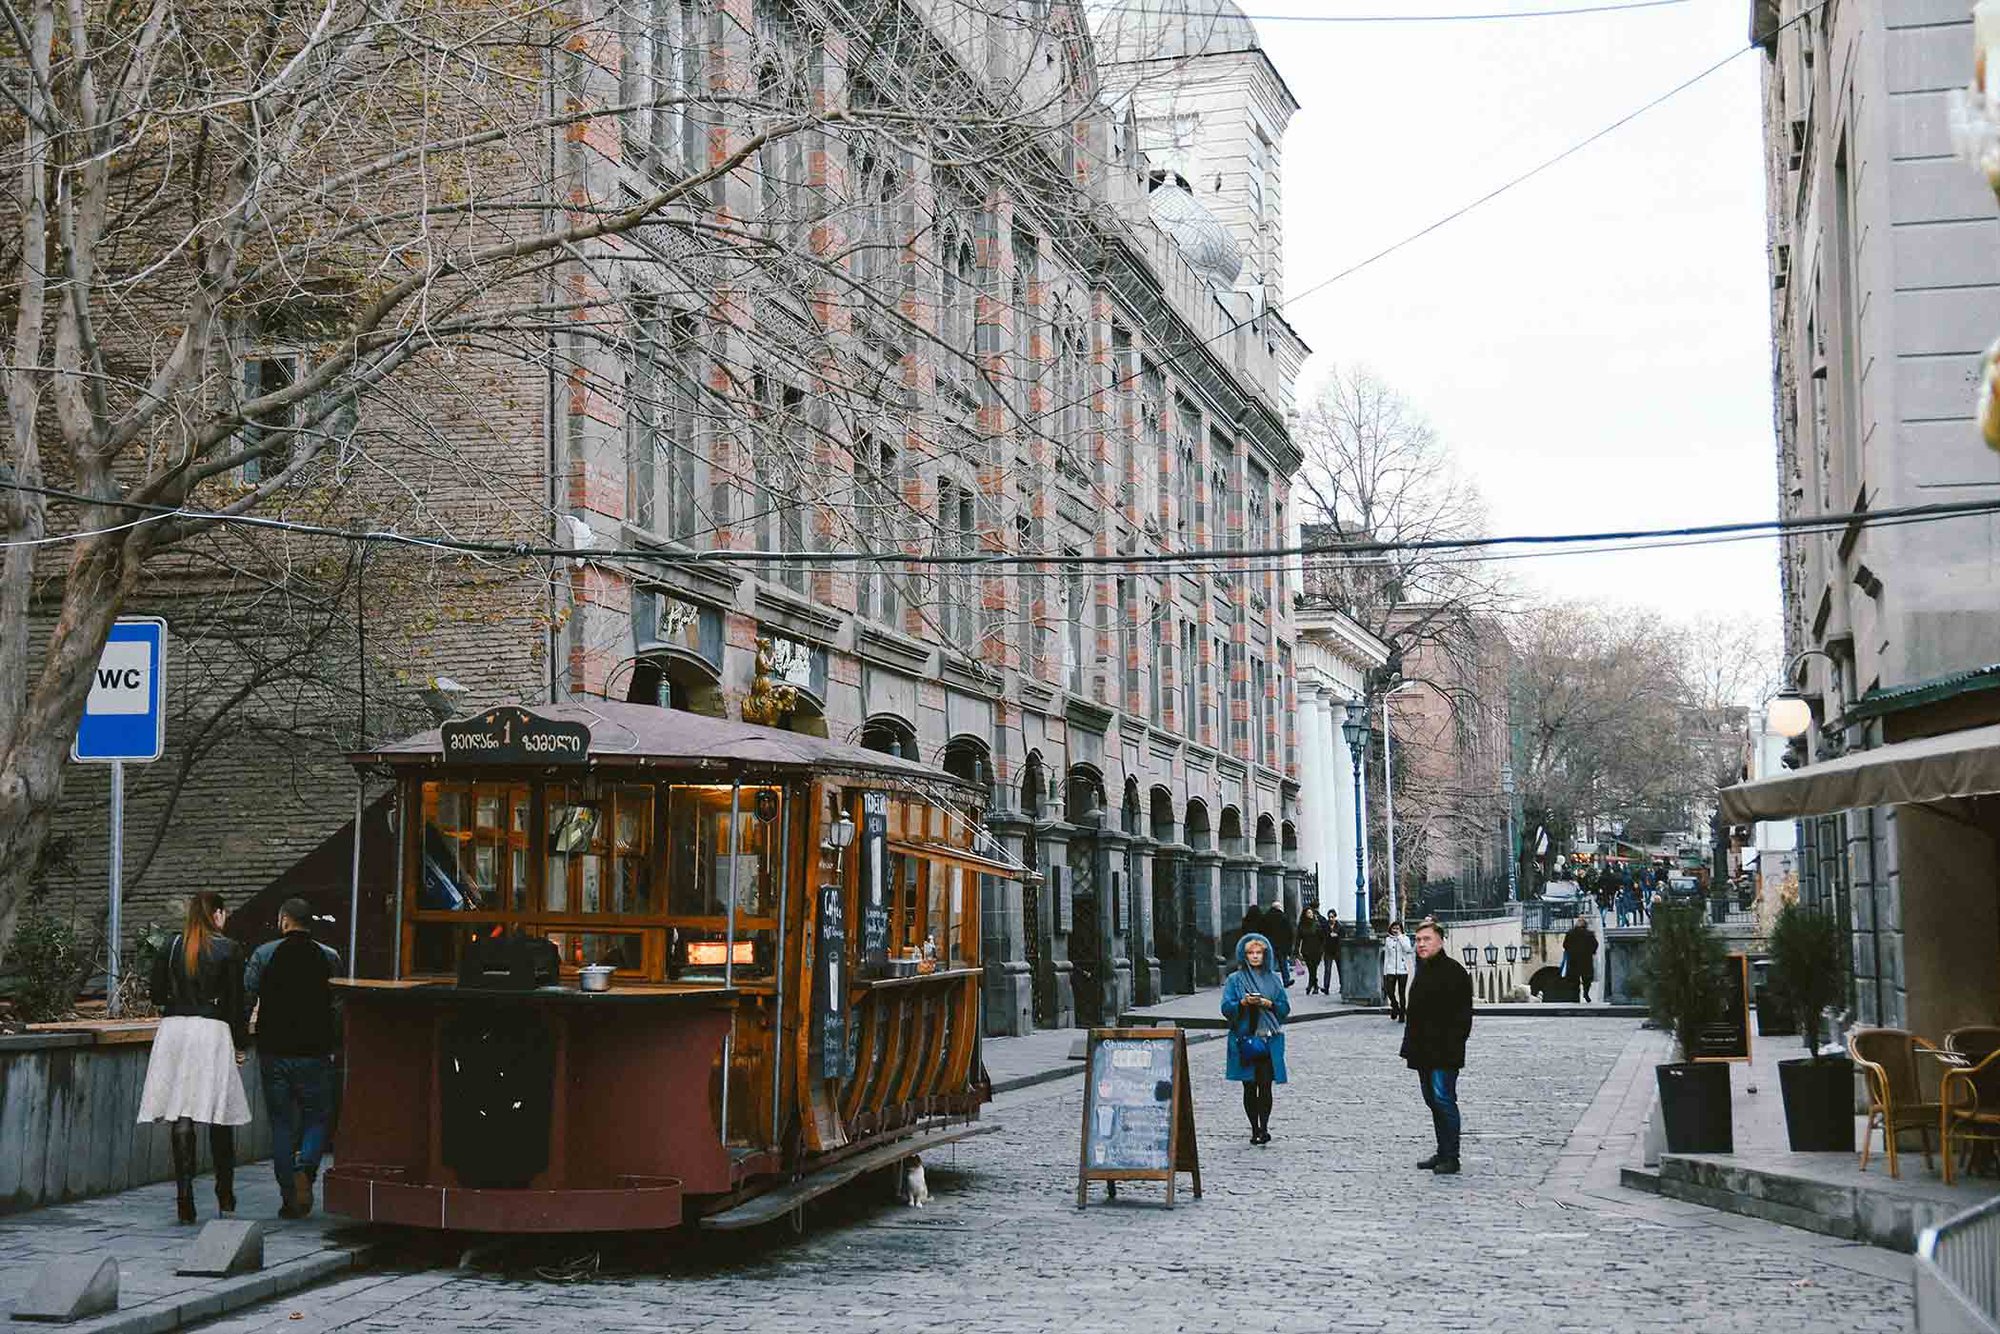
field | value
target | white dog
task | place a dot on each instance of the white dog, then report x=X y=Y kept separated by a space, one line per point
x=915 y=1191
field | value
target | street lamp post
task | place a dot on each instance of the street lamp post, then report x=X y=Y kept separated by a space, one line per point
x=1355 y=729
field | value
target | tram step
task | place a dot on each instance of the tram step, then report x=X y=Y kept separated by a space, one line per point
x=775 y=1204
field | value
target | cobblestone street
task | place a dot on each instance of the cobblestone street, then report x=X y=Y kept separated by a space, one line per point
x=1329 y=1227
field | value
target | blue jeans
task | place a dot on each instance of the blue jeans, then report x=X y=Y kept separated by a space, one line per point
x=298 y=1095
x=1441 y=1096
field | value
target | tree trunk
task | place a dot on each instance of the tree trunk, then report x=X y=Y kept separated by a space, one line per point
x=34 y=764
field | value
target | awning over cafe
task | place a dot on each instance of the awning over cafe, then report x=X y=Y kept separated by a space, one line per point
x=1934 y=768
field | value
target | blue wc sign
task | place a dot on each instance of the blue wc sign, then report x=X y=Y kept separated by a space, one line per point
x=125 y=718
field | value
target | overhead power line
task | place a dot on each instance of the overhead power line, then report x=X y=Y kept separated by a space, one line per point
x=1489 y=16
x=1318 y=550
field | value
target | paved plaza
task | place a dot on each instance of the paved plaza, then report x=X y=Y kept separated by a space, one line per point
x=1328 y=1228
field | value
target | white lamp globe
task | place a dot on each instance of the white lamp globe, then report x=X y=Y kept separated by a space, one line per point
x=1789 y=716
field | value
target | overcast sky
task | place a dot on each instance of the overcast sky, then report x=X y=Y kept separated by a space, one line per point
x=1594 y=345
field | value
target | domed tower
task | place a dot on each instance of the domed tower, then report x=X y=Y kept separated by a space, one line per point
x=1211 y=112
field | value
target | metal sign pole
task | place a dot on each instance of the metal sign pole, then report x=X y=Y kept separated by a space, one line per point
x=112 y=928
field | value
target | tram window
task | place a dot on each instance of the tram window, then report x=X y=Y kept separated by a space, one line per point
x=622 y=950
x=475 y=847
x=600 y=849
x=938 y=915
x=701 y=954
x=698 y=867
x=905 y=921
x=438 y=945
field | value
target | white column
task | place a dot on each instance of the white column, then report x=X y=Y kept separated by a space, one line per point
x=1314 y=782
x=1342 y=761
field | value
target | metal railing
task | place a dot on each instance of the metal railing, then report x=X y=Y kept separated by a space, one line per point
x=1957 y=1277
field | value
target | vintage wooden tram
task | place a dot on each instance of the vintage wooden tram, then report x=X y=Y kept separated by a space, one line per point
x=784 y=1010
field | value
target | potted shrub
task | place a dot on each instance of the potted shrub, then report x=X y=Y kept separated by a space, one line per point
x=1808 y=974
x=1681 y=972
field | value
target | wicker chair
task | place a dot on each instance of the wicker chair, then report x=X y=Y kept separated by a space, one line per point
x=1970 y=1096
x=1888 y=1058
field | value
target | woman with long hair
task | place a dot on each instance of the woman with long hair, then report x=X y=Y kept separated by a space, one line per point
x=1255 y=1002
x=198 y=985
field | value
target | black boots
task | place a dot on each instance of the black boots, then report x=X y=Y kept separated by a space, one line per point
x=180 y=1138
x=222 y=1148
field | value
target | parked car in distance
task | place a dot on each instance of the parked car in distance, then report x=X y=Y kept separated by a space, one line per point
x=1562 y=891
x=1683 y=887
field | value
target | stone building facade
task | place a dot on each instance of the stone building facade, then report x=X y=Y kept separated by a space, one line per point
x=1885 y=286
x=1076 y=357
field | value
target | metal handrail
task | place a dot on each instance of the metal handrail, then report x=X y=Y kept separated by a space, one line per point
x=1957 y=1277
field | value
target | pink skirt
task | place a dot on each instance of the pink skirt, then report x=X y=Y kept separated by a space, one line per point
x=193 y=1074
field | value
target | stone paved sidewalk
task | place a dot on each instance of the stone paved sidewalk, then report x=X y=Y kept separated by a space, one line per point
x=138 y=1228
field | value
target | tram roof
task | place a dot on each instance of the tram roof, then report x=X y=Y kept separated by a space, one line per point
x=626 y=735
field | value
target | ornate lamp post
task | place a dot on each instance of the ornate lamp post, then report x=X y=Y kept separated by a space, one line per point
x=1355 y=729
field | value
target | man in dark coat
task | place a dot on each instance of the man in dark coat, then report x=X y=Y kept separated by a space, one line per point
x=1580 y=956
x=1278 y=926
x=1438 y=1021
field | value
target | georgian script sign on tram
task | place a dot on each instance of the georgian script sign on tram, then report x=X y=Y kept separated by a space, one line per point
x=510 y=735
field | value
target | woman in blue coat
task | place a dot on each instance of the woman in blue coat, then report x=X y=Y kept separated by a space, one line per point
x=1255 y=1002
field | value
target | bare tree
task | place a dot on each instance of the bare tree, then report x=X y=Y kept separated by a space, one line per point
x=248 y=247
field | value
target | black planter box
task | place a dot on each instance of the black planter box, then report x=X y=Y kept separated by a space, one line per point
x=1694 y=1101
x=1819 y=1104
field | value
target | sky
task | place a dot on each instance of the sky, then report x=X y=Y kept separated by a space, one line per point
x=1594 y=345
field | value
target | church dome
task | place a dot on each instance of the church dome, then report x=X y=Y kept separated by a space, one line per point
x=1197 y=233
x=1171 y=30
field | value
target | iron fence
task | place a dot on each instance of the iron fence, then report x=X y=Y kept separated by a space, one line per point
x=1957 y=1278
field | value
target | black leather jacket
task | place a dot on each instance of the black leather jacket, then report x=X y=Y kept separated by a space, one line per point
x=215 y=992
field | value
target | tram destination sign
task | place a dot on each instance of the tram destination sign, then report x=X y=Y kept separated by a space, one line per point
x=511 y=735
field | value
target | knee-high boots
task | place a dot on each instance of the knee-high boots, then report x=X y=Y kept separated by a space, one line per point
x=180 y=1138
x=222 y=1148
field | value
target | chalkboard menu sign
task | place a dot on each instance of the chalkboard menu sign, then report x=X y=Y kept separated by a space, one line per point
x=1727 y=1037
x=510 y=735
x=874 y=883
x=831 y=1053
x=1138 y=1112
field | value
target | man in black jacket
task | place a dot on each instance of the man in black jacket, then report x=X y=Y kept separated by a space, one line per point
x=289 y=980
x=1438 y=1015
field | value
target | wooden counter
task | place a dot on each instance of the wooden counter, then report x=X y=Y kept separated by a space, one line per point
x=549 y=1110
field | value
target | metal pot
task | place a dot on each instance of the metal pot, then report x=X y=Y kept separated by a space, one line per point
x=595 y=977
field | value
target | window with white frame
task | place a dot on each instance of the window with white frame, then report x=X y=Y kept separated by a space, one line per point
x=662 y=375
x=664 y=59
x=877 y=503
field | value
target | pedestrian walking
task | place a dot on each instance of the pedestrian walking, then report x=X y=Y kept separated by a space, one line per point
x=1330 y=928
x=1440 y=1021
x=1278 y=930
x=1312 y=945
x=1256 y=1004
x=1398 y=957
x=289 y=982
x=1580 y=956
x=191 y=1077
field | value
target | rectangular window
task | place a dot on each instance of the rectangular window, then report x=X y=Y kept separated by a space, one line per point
x=700 y=877
x=1075 y=609
x=1258 y=714
x=475 y=856
x=1126 y=673
x=1153 y=461
x=1162 y=646
x=661 y=74
x=955 y=537
x=1190 y=653
x=1188 y=516
x=783 y=452
x=268 y=374
x=600 y=850
x=662 y=464
x=1027 y=266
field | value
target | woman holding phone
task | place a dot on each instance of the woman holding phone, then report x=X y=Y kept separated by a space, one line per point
x=1255 y=1002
